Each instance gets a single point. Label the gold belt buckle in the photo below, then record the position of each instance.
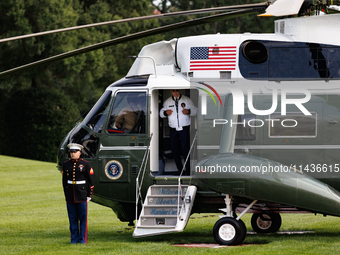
(74, 182)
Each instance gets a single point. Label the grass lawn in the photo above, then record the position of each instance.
(33, 220)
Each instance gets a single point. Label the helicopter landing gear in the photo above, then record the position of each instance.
(229, 230)
(266, 222)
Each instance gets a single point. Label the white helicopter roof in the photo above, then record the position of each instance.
(187, 55)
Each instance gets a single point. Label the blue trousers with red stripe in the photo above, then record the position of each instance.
(77, 215)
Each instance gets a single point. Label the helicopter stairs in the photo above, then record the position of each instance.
(166, 209)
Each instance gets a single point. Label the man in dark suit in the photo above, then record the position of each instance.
(78, 183)
(179, 108)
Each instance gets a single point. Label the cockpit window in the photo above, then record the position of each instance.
(128, 113)
(95, 119)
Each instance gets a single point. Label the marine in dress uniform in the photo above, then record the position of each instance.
(179, 108)
(78, 183)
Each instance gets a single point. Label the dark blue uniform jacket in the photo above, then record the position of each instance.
(78, 180)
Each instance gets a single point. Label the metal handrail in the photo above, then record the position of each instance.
(142, 167)
(186, 160)
(180, 191)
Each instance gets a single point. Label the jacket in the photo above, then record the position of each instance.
(78, 180)
(178, 120)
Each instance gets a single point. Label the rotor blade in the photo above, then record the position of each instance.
(191, 12)
(283, 8)
(135, 36)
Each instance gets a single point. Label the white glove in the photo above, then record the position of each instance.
(88, 199)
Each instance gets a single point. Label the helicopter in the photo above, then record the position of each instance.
(264, 140)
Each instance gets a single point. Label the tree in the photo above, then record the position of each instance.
(76, 82)
(36, 120)
(79, 80)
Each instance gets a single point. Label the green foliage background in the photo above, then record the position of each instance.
(39, 106)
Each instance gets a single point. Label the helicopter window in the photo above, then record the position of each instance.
(292, 125)
(245, 132)
(255, 52)
(128, 113)
(287, 60)
(89, 141)
(95, 119)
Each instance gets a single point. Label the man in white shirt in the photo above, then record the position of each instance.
(179, 108)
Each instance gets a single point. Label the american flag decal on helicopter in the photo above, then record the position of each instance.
(213, 58)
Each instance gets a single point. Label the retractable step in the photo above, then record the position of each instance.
(166, 209)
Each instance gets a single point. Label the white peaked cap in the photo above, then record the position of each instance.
(75, 146)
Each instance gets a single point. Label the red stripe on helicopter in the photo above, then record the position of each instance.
(212, 58)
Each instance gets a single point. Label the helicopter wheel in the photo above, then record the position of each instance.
(266, 222)
(229, 231)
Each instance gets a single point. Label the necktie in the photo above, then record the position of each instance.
(176, 103)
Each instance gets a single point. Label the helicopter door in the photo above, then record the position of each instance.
(123, 144)
(167, 165)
